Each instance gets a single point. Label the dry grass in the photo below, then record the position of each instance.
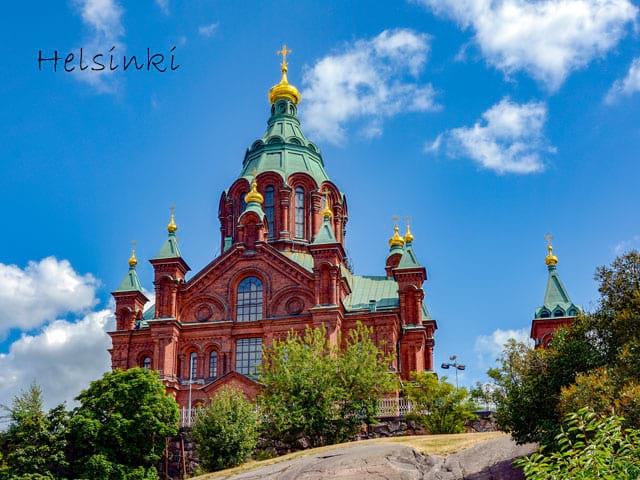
(427, 444)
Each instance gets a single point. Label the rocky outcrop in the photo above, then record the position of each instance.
(490, 460)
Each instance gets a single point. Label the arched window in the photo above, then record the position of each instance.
(544, 314)
(193, 365)
(269, 209)
(213, 364)
(558, 313)
(248, 355)
(146, 362)
(299, 212)
(249, 306)
(243, 204)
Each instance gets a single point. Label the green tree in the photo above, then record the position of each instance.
(315, 390)
(34, 444)
(226, 432)
(444, 408)
(589, 447)
(119, 429)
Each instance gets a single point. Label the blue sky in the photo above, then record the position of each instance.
(490, 123)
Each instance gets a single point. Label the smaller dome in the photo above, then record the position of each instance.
(254, 195)
(551, 260)
(408, 237)
(133, 261)
(396, 240)
(172, 227)
(284, 90)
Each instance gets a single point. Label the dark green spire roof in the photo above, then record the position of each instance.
(409, 259)
(170, 248)
(556, 299)
(130, 282)
(284, 148)
(325, 235)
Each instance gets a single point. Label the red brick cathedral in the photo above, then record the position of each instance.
(283, 267)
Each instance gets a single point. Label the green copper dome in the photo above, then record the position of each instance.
(284, 148)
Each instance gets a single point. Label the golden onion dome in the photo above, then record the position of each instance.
(396, 240)
(551, 260)
(254, 195)
(284, 89)
(133, 261)
(408, 237)
(326, 213)
(172, 227)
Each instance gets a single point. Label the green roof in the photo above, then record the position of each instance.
(409, 259)
(556, 298)
(284, 148)
(325, 235)
(130, 282)
(383, 290)
(170, 248)
(305, 260)
(254, 207)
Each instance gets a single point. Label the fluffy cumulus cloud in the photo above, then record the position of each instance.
(41, 292)
(489, 347)
(546, 38)
(509, 138)
(63, 358)
(208, 30)
(626, 86)
(103, 22)
(369, 80)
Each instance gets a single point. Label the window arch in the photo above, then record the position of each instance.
(269, 204)
(146, 362)
(193, 365)
(545, 314)
(213, 364)
(249, 305)
(299, 209)
(558, 313)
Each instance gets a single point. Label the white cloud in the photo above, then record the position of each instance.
(546, 38)
(63, 359)
(208, 30)
(369, 81)
(508, 139)
(103, 20)
(163, 5)
(626, 245)
(490, 347)
(43, 291)
(627, 85)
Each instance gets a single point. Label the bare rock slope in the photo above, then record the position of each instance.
(490, 460)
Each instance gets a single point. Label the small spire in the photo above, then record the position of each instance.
(396, 240)
(551, 260)
(254, 195)
(326, 213)
(172, 227)
(133, 261)
(408, 236)
(284, 89)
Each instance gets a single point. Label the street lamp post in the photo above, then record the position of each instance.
(191, 381)
(457, 366)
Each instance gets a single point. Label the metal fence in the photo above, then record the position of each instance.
(387, 407)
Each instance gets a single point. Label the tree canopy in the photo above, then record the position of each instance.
(315, 390)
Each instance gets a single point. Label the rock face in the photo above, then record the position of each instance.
(490, 460)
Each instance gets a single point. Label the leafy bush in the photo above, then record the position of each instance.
(588, 448)
(226, 432)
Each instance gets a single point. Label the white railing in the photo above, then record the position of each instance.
(387, 407)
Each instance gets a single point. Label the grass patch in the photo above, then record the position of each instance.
(426, 444)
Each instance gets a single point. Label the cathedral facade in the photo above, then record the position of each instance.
(283, 267)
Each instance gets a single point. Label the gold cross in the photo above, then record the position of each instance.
(548, 237)
(407, 219)
(284, 52)
(172, 208)
(395, 219)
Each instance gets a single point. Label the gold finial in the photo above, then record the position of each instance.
(133, 261)
(172, 227)
(408, 237)
(254, 195)
(551, 260)
(284, 89)
(326, 213)
(396, 240)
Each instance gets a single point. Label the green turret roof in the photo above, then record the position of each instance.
(254, 207)
(170, 248)
(284, 148)
(325, 235)
(130, 282)
(556, 299)
(409, 259)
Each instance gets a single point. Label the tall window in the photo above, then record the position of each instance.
(213, 364)
(193, 365)
(248, 355)
(269, 208)
(299, 212)
(146, 362)
(249, 300)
